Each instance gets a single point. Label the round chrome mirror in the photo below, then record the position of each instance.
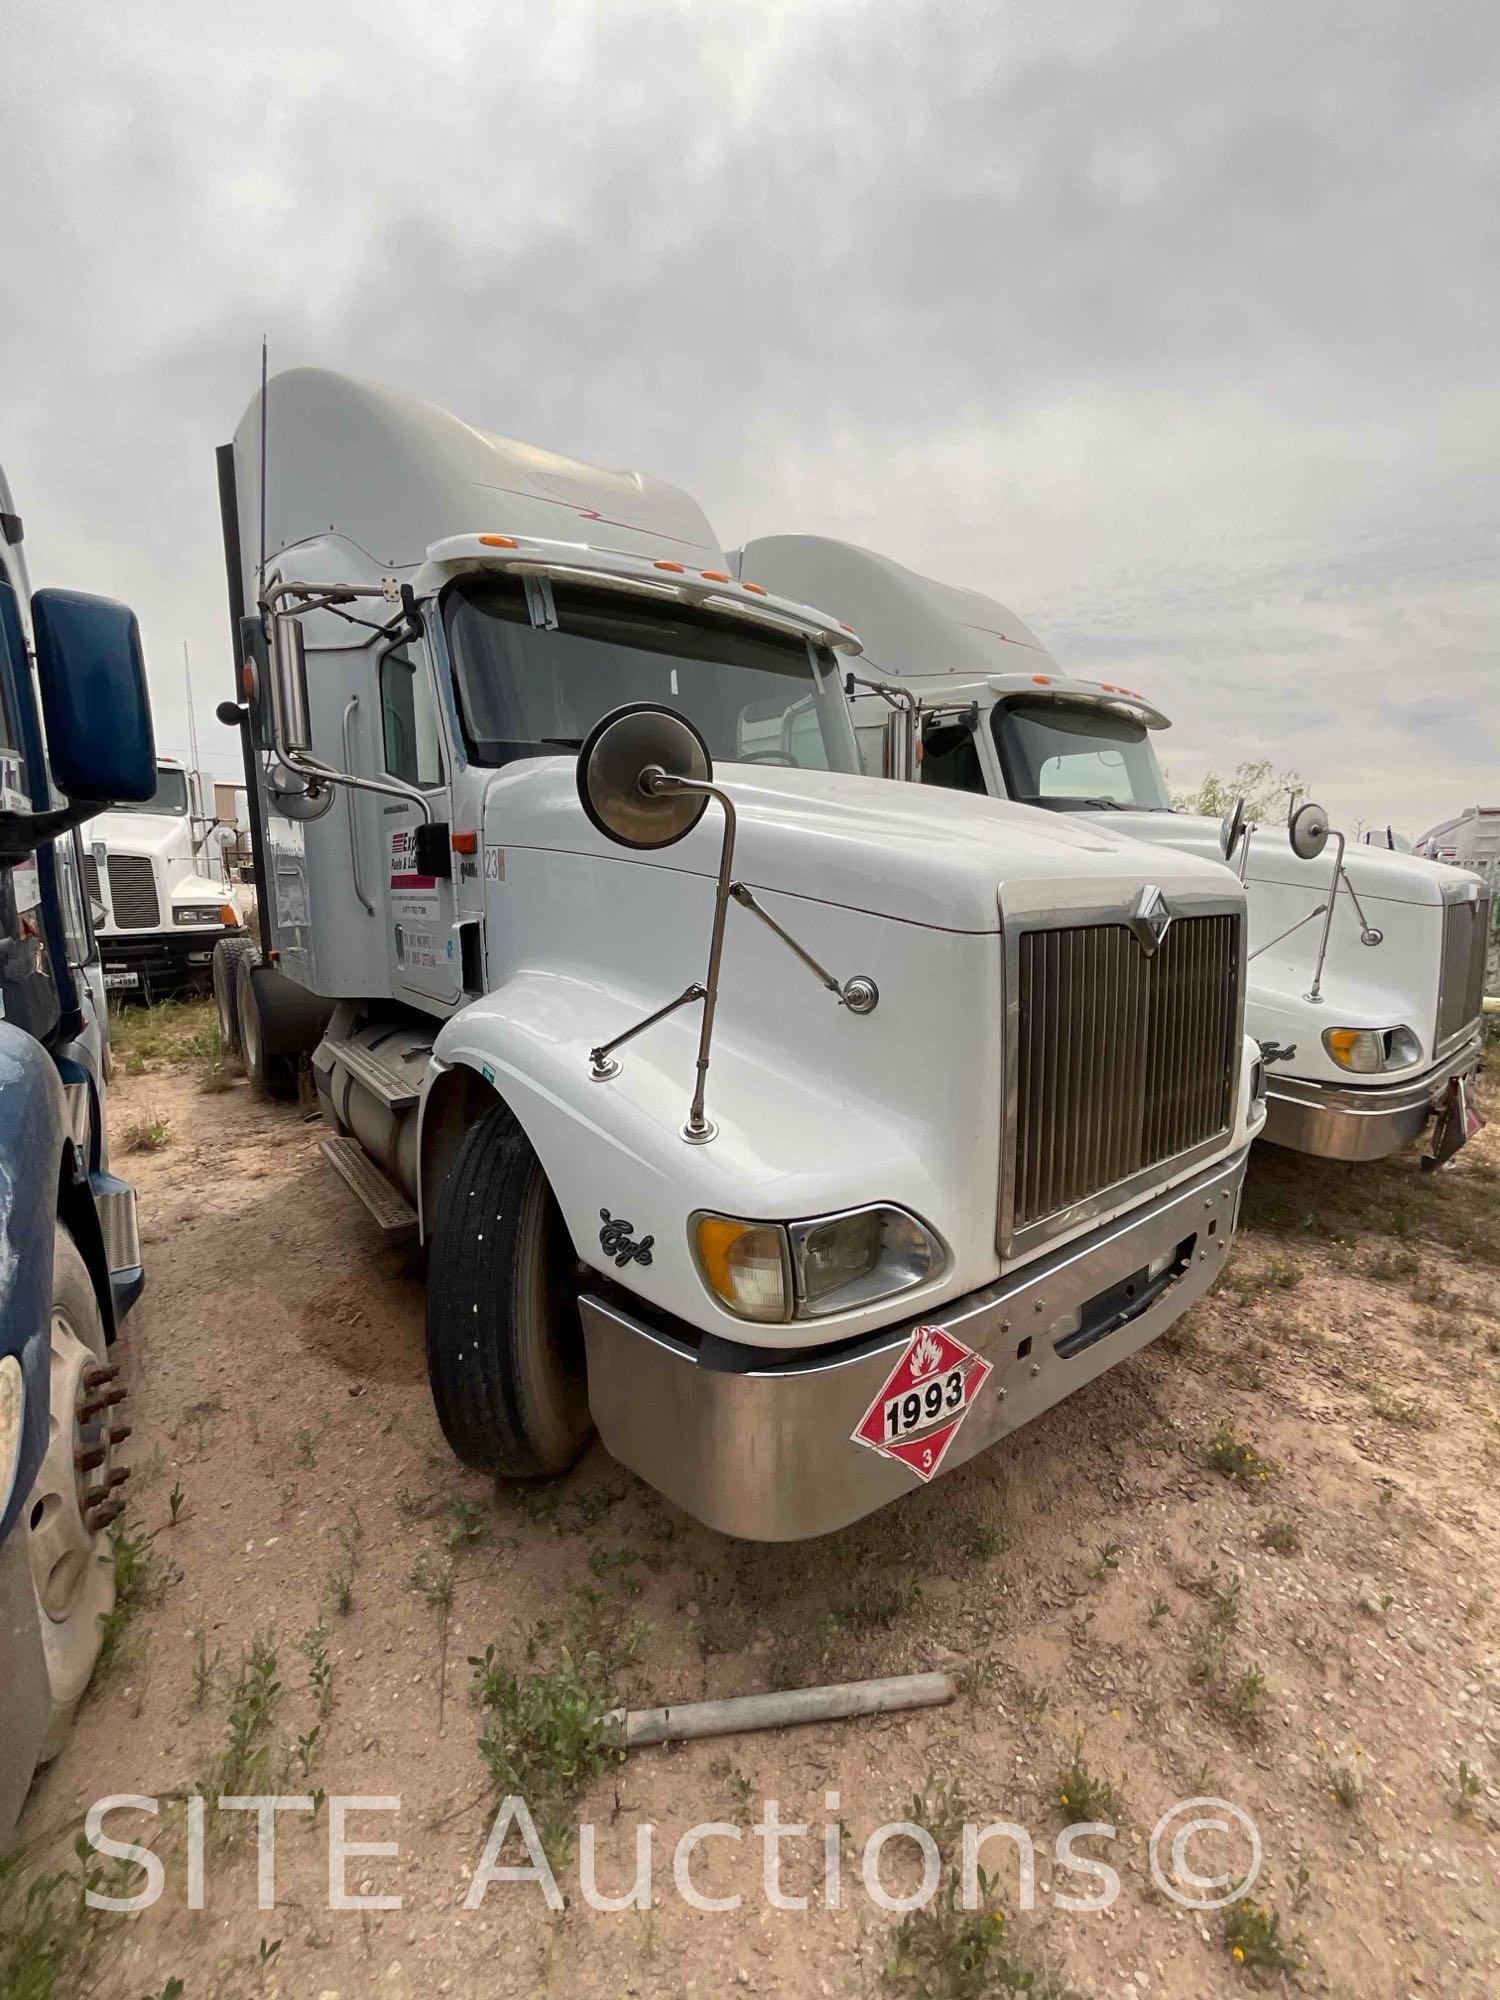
(1231, 826)
(1307, 830)
(618, 755)
(296, 797)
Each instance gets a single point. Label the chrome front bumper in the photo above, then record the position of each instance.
(1354, 1122)
(769, 1455)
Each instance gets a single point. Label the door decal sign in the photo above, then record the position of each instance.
(926, 1396)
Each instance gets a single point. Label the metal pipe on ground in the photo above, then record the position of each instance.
(683, 1722)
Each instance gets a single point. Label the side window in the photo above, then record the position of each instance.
(950, 758)
(408, 725)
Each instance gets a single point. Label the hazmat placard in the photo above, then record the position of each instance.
(926, 1397)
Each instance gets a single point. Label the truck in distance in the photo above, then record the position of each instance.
(800, 1138)
(161, 889)
(1364, 966)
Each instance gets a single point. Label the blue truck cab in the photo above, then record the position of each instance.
(75, 737)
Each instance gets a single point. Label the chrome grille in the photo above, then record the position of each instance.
(1124, 1061)
(1461, 993)
(91, 878)
(132, 892)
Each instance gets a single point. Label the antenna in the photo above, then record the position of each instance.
(187, 674)
(261, 574)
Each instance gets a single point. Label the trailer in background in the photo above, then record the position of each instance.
(1472, 841)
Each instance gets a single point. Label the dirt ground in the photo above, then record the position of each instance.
(1257, 1562)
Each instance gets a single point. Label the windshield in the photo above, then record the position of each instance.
(757, 696)
(1071, 758)
(170, 796)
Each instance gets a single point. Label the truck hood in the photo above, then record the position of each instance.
(156, 834)
(1375, 871)
(922, 856)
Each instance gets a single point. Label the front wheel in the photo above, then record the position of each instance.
(72, 1564)
(271, 1075)
(228, 951)
(504, 1341)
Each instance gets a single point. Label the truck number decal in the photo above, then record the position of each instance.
(923, 1400)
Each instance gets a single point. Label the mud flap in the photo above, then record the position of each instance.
(1456, 1122)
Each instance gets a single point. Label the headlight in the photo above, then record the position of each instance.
(1370, 1051)
(764, 1271)
(198, 913)
(846, 1260)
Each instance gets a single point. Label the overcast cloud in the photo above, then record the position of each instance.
(1171, 325)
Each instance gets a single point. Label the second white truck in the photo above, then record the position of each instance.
(161, 892)
(803, 1135)
(1364, 968)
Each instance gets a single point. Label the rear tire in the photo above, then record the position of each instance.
(273, 1076)
(227, 954)
(72, 1568)
(505, 1354)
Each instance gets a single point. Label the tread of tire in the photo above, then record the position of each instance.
(482, 1413)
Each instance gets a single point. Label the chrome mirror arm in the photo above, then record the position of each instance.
(860, 995)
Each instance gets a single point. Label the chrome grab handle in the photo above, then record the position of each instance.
(353, 703)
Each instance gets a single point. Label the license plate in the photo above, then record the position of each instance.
(117, 979)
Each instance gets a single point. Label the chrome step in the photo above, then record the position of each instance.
(395, 1090)
(353, 1165)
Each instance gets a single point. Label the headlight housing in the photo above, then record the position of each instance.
(1372, 1051)
(200, 913)
(772, 1272)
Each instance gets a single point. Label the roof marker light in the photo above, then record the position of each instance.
(675, 568)
(713, 576)
(499, 541)
(758, 588)
(1042, 680)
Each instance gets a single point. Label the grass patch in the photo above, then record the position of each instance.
(146, 1134)
(38, 1919)
(1282, 1536)
(141, 1579)
(945, 1952)
(1393, 1408)
(543, 1736)
(1395, 1261)
(1084, 1795)
(169, 1032)
(1229, 1454)
(1253, 1937)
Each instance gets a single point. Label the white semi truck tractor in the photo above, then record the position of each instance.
(802, 1135)
(161, 891)
(1365, 967)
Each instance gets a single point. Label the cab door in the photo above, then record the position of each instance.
(416, 858)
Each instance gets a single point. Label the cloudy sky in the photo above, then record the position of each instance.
(1174, 325)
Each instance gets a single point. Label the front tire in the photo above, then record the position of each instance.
(72, 1566)
(505, 1351)
(273, 1076)
(227, 955)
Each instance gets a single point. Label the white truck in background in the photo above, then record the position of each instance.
(803, 1136)
(1365, 967)
(161, 886)
(1472, 841)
